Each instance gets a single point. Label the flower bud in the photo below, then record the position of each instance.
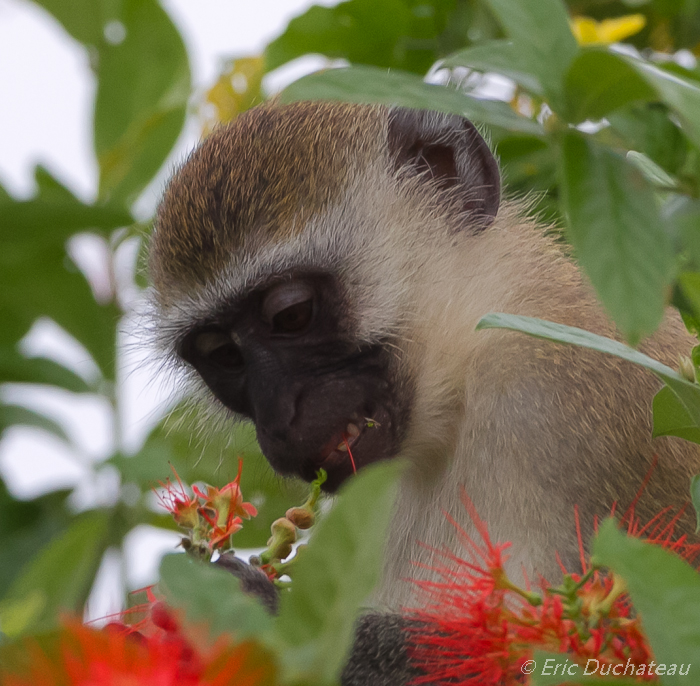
(686, 368)
(301, 517)
(283, 528)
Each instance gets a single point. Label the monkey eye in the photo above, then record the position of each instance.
(289, 307)
(218, 347)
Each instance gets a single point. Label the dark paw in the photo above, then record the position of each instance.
(253, 581)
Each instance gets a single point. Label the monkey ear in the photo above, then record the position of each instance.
(449, 149)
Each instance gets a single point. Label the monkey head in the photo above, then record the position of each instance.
(285, 258)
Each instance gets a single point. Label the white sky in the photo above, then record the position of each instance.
(45, 117)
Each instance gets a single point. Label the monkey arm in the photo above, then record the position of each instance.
(379, 655)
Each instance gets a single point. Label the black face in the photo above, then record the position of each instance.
(283, 357)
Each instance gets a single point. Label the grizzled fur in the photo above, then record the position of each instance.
(401, 212)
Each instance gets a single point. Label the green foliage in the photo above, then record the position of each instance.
(685, 393)
(541, 39)
(58, 579)
(625, 187)
(211, 596)
(335, 576)
(695, 495)
(612, 215)
(361, 84)
(664, 589)
(617, 233)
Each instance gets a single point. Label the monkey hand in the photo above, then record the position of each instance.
(253, 580)
(378, 657)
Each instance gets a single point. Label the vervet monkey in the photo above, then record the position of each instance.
(318, 264)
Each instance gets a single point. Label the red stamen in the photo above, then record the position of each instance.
(352, 460)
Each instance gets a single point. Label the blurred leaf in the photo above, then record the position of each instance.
(51, 217)
(37, 277)
(599, 82)
(680, 94)
(615, 228)
(688, 393)
(143, 87)
(652, 172)
(542, 40)
(649, 129)
(361, 31)
(690, 285)
(402, 34)
(27, 526)
(498, 56)
(15, 368)
(372, 85)
(336, 575)
(237, 89)
(529, 169)
(687, 223)
(83, 19)
(211, 596)
(671, 418)
(11, 415)
(695, 496)
(664, 590)
(58, 579)
(214, 460)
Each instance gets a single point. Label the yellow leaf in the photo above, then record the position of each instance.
(237, 89)
(591, 32)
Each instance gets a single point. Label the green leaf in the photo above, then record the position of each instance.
(542, 40)
(665, 591)
(545, 664)
(650, 129)
(500, 57)
(372, 85)
(15, 368)
(37, 277)
(210, 595)
(690, 285)
(27, 525)
(336, 575)
(143, 87)
(58, 579)
(11, 415)
(361, 31)
(671, 418)
(599, 82)
(687, 393)
(680, 94)
(83, 19)
(652, 172)
(687, 220)
(615, 228)
(695, 497)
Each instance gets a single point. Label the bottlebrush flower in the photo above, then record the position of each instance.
(81, 656)
(477, 628)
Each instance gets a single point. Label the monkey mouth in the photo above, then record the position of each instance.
(338, 450)
(364, 440)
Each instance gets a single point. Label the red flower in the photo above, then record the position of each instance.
(210, 518)
(114, 657)
(478, 628)
(182, 507)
